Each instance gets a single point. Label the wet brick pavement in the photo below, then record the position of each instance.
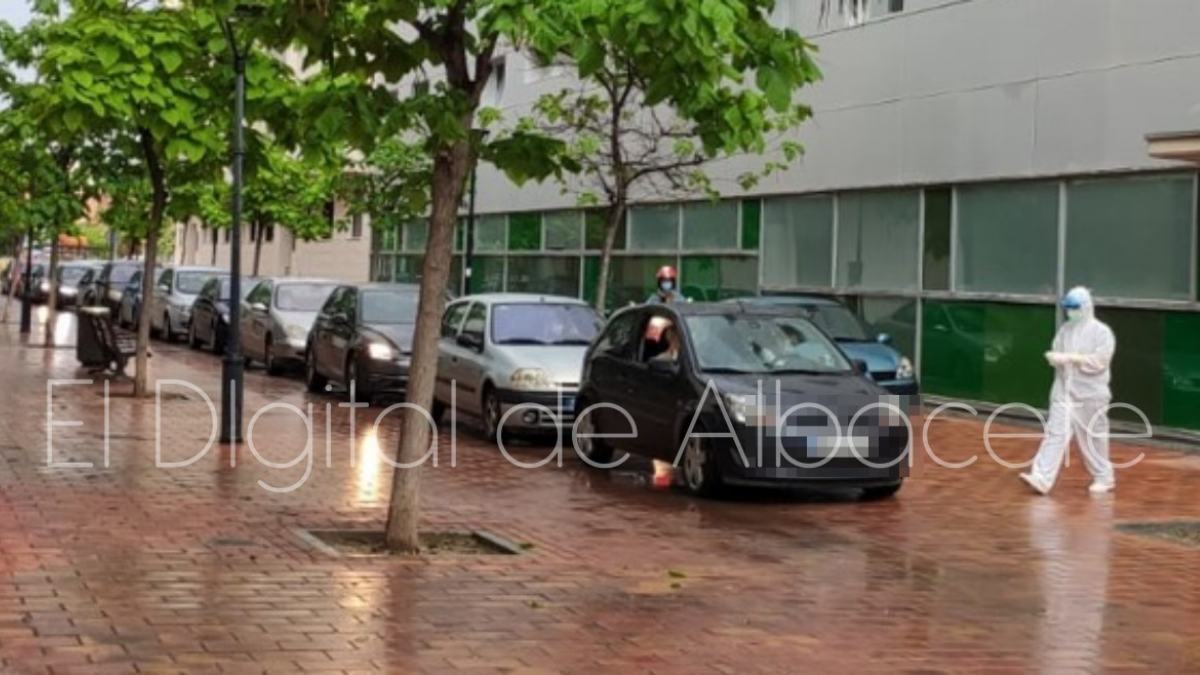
(132, 568)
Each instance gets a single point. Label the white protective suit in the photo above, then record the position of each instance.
(1081, 355)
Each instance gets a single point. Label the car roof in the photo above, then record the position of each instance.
(198, 268)
(686, 309)
(528, 298)
(385, 286)
(282, 281)
(800, 299)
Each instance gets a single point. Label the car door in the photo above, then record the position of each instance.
(609, 377)
(466, 362)
(161, 297)
(256, 319)
(320, 335)
(204, 308)
(659, 393)
(341, 334)
(448, 348)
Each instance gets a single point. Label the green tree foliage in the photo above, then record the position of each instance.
(664, 88)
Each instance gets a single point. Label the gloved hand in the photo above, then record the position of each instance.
(1075, 358)
(1057, 359)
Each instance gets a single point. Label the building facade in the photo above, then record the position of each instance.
(343, 256)
(968, 160)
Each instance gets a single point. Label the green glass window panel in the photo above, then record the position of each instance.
(987, 351)
(751, 223)
(1131, 237)
(1007, 238)
(460, 234)
(937, 240)
(654, 228)
(712, 278)
(454, 282)
(1180, 370)
(709, 226)
(487, 274)
(1137, 365)
(797, 241)
(416, 233)
(490, 232)
(552, 275)
(408, 269)
(594, 222)
(525, 232)
(632, 278)
(877, 240)
(591, 278)
(897, 317)
(563, 231)
(381, 268)
(388, 238)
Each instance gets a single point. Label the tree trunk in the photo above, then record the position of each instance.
(14, 273)
(158, 206)
(612, 225)
(258, 240)
(52, 299)
(450, 169)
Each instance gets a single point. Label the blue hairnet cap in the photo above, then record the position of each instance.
(1073, 300)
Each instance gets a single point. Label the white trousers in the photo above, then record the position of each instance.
(1087, 421)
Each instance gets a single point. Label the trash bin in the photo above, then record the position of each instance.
(88, 349)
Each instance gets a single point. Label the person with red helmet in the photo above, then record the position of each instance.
(666, 292)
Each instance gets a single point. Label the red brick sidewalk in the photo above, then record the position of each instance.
(132, 568)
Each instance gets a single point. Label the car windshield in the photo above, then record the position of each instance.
(742, 343)
(302, 297)
(248, 285)
(191, 282)
(121, 274)
(70, 275)
(544, 324)
(389, 307)
(839, 323)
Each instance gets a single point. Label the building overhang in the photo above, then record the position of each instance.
(1182, 146)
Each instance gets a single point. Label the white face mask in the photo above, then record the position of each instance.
(666, 285)
(1074, 314)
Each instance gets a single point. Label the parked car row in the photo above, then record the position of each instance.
(678, 374)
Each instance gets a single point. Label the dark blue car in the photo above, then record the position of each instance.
(888, 367)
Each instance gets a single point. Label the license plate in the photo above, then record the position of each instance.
(822, 447)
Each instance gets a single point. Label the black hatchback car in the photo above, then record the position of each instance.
(740, 395)
(363, 334)
(209, 323)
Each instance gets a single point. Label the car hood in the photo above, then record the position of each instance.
(877, 356)
(292, 318)
(564, 363)
(842, 393)
(400, 334)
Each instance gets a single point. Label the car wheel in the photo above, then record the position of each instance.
(269, 362)
(349, 375)
(314, 380)
(701, 474)
(491, 414)
(192, 339)
(595, 450)
(168, 335)
(438, 411)
(217, 339)
(881, 492)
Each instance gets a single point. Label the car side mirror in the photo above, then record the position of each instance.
(258, 307)
(884, 339)
(663, 366)
(165, 288)
(861, 367)
(470, 341)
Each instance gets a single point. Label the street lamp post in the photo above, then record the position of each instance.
(469, 245)
(233, 364)
(26, 295)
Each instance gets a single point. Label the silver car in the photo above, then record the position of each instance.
(174, 292)
(277, 316)
(503, 350)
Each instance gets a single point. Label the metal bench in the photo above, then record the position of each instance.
(101, 345)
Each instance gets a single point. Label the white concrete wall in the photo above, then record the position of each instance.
(962, 90)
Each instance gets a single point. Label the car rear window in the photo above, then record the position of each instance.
(302, 297)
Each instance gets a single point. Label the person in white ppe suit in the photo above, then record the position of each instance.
(1081, 355)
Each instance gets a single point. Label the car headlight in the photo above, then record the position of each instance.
(45, 286)
(299, 333)
(380, 351)
(67, 291)
(742, 407)
(530, 379)
(905, 369)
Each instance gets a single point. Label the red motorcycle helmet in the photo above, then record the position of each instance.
(666, 272)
